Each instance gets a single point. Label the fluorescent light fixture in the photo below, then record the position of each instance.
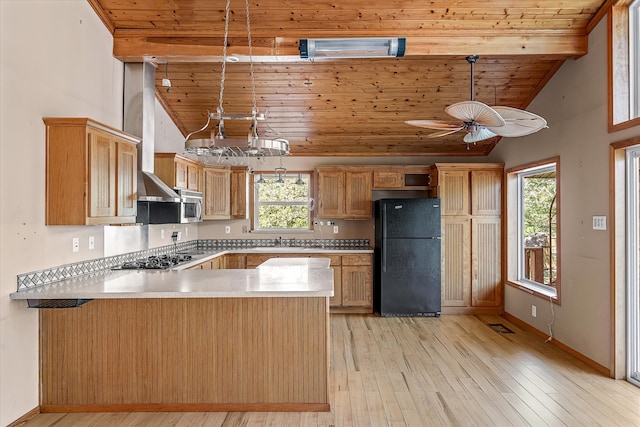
(353, 48)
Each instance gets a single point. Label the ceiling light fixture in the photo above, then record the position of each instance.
(390, 47)
(220, 146)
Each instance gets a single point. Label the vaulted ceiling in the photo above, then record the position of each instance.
(350, 106)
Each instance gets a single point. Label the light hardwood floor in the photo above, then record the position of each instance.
(452, 370)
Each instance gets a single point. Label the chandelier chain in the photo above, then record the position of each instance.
(224, 56)
(254, 110)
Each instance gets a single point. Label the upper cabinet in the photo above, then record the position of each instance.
(178, 171)
(91, 173)
(343, 192)
(401, 177)
(239, 192)
(216, 197)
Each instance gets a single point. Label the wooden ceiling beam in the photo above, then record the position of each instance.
(130, 48)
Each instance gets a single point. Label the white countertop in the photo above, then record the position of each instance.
(298, 279)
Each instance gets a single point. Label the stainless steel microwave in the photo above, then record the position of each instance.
(187, 210)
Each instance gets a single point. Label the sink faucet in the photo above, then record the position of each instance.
(277, 241)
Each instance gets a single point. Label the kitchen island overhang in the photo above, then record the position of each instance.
(220, 340)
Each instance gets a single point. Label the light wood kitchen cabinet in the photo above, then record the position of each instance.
(91, 173)
(235, 261)
(239, 192)
(352, 279)
(471, 196)
(357, 281)
(344, 192)
(216, 197)
(211, 264)
(178, 171)
(401, 177)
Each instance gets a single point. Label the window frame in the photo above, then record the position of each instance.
(515, 239)
(255, 205)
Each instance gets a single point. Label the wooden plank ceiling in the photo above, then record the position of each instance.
(350, 106)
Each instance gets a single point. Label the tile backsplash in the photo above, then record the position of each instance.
(68, 271)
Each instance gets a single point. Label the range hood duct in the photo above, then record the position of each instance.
(139, 120)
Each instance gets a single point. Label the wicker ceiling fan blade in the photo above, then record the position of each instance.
(434, 124)
(474, 111)
(444, 132)
(518, 122)
(480, 134)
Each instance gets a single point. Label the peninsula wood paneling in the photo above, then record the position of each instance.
(207, 352)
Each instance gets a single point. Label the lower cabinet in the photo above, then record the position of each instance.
(211, 264)
(352, 279)
(235, 261)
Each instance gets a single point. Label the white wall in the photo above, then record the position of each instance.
(575, 104)
(55, 60)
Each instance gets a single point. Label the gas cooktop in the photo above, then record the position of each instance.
(155, 262)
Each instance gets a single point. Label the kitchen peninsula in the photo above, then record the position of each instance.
(190, 340)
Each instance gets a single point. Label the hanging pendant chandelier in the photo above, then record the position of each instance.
(220, 146)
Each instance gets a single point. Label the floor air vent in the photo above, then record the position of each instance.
(500, 328)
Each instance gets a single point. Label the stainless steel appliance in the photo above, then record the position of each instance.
(407, 257)
(188, 210)
(155, 262)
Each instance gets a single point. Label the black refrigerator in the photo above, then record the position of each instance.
(407, 257)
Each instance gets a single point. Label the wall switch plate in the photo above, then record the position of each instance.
(186, 231)
(75, 244)
(335, 229)
(92, 242)
(227, 229)
(162, 234)
(533, 311)
(599, 222)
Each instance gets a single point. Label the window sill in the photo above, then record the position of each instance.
(540, 291)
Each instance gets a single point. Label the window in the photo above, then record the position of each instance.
(533, 227)
(633, 265)
(624, 57)
(281, 201)
(634, 58)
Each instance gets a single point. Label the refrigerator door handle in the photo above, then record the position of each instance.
(384, 236)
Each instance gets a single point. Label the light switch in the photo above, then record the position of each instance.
(75, 244)
(599, 222)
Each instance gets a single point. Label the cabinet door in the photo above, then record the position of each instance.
(358, 195)
(239, 186)
(193, 177)
(486, 283)
(456, 263)
(127, 180)
(486, 188)
(391, 179)
(330, 197)
(235, 261)
(102, 174)
(336, 299)
(357, 286)
(454, 192)
(216, 194)
(181, 177)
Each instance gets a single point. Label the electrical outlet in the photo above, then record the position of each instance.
(186, 231)
(227, 229)
(599, 222)
(245, 229)
(176, 235)
(92, 242)
(335, 229)
(75, 244)
(533, 311)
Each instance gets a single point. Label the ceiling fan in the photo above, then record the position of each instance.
(480, 121)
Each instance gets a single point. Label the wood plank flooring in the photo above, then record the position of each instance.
(447, 371)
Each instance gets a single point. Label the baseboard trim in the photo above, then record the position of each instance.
(473, 310)
(26, 417)
(524, 325)
(191, 407)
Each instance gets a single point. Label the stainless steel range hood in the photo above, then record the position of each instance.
(139, 120)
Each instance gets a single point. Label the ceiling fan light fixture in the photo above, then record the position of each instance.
(389, 47)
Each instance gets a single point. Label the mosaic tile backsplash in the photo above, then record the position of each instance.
(68, 271)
